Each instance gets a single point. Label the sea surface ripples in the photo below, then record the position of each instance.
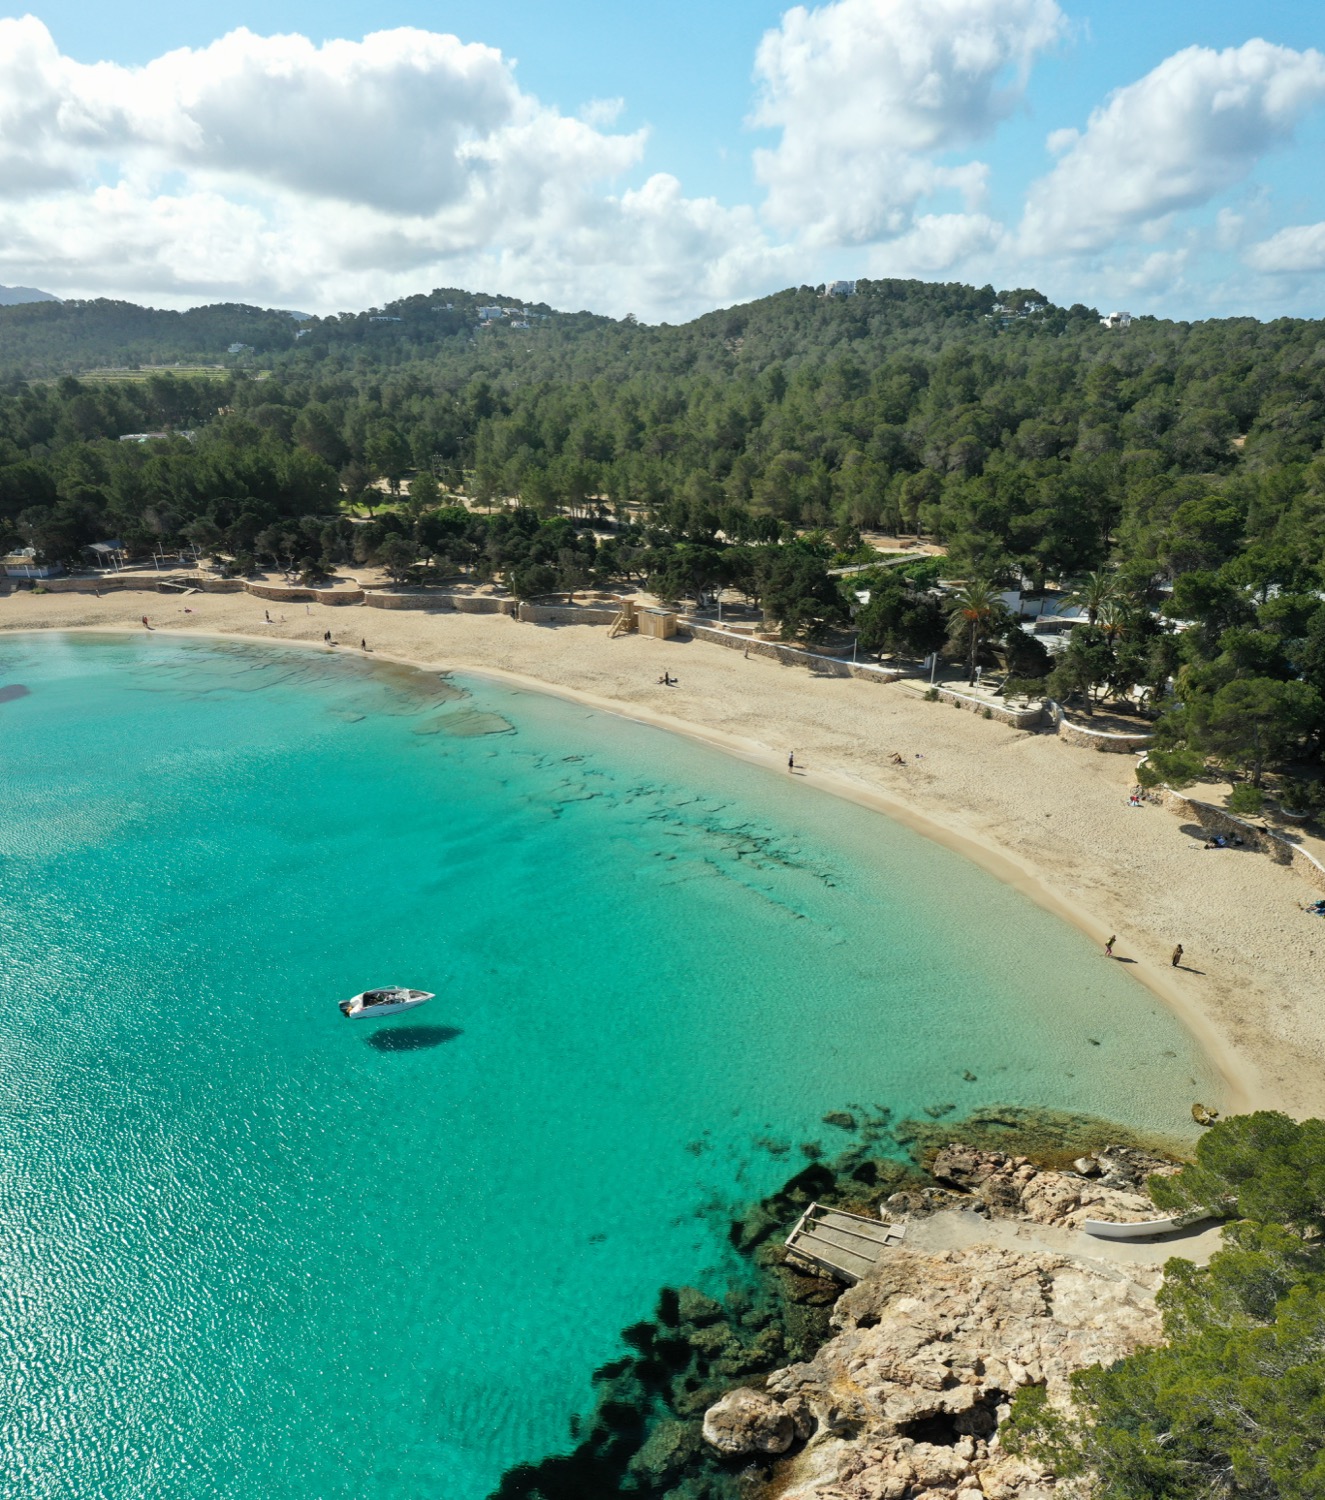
(252, 1249)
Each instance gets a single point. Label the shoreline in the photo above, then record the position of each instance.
(1255, 1071)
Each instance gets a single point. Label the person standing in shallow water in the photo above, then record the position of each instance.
(1177, 956)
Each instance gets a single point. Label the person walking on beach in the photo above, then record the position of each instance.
(1177, 956)
(326, 636)
(1108, 947)
(363, 645)
(791, 761)
(146, 626)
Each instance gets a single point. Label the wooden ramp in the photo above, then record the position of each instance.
(845, 1245)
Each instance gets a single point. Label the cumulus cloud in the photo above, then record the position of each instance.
(866, 93)
(1193, 127)
(1298, 249)
(936, 244)
(270, 168)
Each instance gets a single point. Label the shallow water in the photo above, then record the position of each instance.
(253, 1249)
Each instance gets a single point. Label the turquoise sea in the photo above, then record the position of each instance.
(248, 1248)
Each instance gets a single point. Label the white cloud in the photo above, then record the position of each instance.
(1299, 249)
(1193, 127)
(272, 169)
(867, 92)
(935, 244)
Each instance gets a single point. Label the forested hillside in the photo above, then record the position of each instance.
(1174, 472)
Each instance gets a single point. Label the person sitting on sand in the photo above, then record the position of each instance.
(898, 760)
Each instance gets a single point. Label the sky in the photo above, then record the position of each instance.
(1159, 157)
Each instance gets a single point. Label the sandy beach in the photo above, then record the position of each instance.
(1052, 820)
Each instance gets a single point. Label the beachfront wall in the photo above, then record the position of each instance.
(172, 582)
(1097, 739)
(281, 595)
(465, 604)
(566, 614)
(1030, 717)
(1216, 820)
(791, 656)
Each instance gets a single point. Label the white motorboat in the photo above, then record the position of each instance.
(388, 1002)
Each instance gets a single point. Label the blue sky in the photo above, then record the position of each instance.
(664, 160)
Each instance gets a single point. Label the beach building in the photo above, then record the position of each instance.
(1117, 320)
(24, 564)
(659, 623)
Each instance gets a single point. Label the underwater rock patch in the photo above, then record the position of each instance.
(645, 1436)
(467, 724)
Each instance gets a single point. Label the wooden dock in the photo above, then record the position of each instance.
(845, 1245)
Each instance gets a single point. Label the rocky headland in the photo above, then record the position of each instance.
(794, 1387)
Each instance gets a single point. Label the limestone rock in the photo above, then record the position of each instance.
(927, 1352)
(1108, 1185)
(746, 1421)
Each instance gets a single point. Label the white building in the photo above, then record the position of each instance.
(840, 289)
(1117, 320)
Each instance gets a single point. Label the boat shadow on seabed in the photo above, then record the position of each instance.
(412, 1038)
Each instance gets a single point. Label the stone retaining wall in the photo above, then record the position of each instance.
(1031, 717)
(467, 604)
(115, 583)
(286, 594)
(791, 656)
(1098, 739)
(565, 614)
(1218, 820)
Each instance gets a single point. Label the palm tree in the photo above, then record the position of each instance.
(977, 613)
(1113, 617)
(1095, 592)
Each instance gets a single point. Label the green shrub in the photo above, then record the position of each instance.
(932, 695)
(1233, 1404)
(1175, 768)
(1246, 799)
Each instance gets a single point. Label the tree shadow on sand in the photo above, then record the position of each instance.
(412, 1038)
